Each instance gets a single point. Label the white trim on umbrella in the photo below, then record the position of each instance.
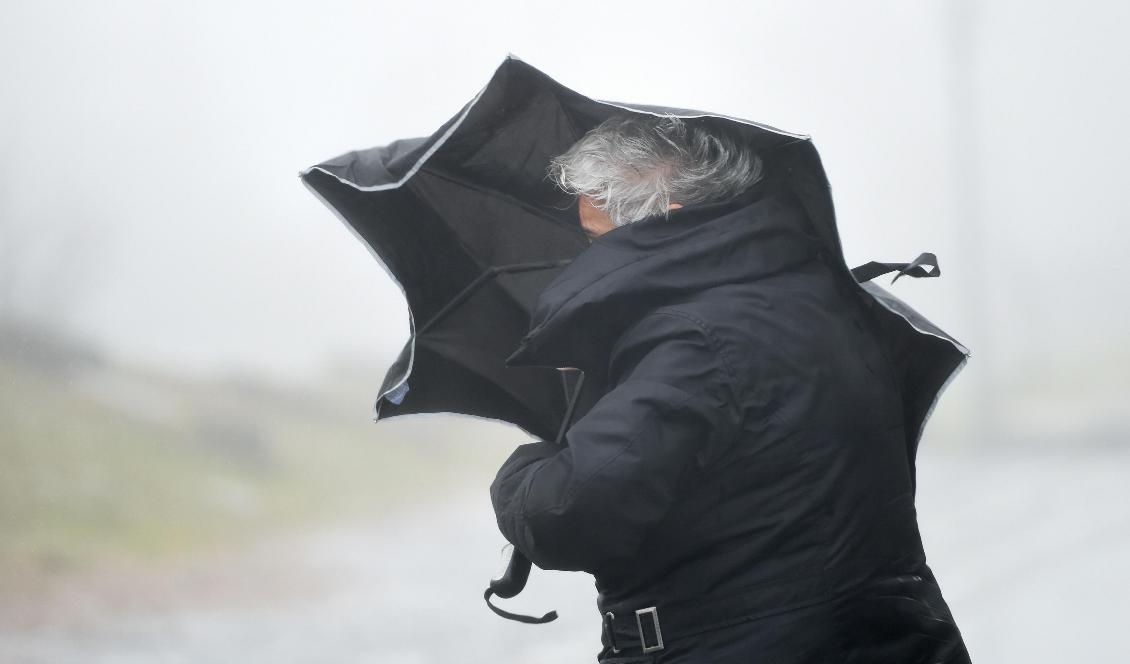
(458, 122)
(938, 395)
(380, 261)
(885, 297)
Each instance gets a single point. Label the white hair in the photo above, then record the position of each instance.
(635, 166)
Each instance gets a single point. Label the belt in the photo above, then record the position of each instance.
(651, 628)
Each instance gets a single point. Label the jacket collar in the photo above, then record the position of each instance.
(658, 260)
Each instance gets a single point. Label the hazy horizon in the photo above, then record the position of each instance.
(150, 198)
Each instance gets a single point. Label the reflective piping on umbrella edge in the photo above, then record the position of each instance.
(376, 256)
(419, 162)
(765, 127)
(455, 126)
(496, 420)
(965, 353)
(938, 396)
(628, 107)
(954, 342)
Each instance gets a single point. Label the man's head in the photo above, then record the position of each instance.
(636, 166)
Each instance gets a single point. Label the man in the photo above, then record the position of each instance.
(742, 490)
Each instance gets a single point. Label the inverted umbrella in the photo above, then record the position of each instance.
(467, 224)
(470, 260)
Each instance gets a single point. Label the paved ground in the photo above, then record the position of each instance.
(1031, 552)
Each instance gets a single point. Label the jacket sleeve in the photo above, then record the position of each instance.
(590, 503)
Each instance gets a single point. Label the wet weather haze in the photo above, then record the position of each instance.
(191, 342)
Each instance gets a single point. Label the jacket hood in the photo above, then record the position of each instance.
(632, 269)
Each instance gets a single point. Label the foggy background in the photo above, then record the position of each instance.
(190, 342)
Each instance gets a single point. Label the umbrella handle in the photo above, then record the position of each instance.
(567, 420)
(513, 580)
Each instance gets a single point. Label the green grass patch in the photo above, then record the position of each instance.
(115, 462)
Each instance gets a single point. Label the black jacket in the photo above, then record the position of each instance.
(749, 454)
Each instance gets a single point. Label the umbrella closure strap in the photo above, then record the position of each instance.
(869, 271)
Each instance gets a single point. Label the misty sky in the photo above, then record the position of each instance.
(150, 197)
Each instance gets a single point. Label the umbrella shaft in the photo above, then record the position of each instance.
(569, 410)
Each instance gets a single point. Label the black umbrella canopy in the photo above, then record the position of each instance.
(439, 212)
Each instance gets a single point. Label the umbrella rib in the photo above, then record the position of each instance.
(494, 270)
(478, 282)
(533, 210)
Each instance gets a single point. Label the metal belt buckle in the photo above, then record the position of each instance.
(654, 621)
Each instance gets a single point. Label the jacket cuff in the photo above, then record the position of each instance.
(509, 488)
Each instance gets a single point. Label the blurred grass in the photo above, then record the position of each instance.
(112, 462)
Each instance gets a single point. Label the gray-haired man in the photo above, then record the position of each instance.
(742, 491)
(628, 168)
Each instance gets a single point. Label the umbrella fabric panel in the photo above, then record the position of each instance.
(408, 238)
(458, 367)
(432, 266)
(382, 167)
(507, 140)
(385, 166)
(496, 229)
(445, 386)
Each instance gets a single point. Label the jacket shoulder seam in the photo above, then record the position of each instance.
(723, 354)
(577, 486)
